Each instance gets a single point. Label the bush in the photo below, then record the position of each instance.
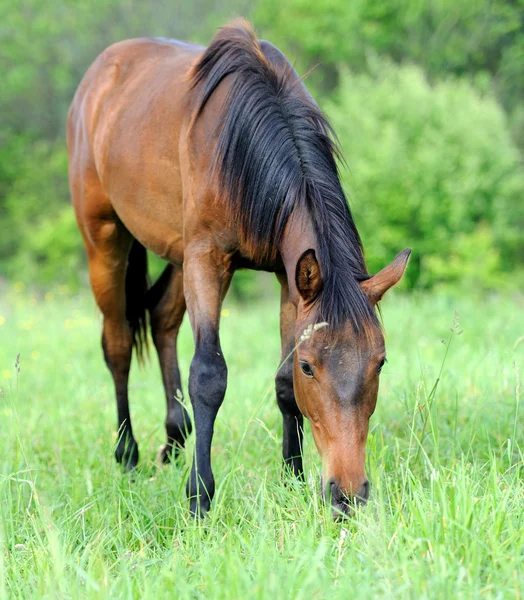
(433, 167)
(40, 242)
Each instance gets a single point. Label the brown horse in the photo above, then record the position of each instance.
(217, 159)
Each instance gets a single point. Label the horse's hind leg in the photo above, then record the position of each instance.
(167, 306)
(108, 248)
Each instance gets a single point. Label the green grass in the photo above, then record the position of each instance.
(446, 515)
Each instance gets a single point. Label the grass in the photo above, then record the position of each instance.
(445, 461)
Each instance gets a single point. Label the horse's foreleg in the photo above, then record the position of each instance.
(293, 420)
(167, 306)
(205, 284)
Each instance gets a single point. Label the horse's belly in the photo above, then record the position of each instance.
(149, 203)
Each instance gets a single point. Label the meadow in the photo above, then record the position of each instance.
(445, 459)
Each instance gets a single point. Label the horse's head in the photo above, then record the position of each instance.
(336, 378)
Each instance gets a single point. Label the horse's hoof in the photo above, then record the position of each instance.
(164, 455)
(197, 510)
(130, 462)
(127, 457)
(169, 453)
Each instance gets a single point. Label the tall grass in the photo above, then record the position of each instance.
(444, 457)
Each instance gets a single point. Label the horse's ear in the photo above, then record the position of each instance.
(375, 287)
(307, 277)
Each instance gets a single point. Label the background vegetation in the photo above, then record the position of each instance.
(426, 97)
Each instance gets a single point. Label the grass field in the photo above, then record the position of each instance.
(446, 515)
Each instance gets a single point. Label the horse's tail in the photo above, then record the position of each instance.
(136, 289)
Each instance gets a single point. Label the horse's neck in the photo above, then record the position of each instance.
(298, 237)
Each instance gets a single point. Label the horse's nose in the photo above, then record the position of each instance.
(340, 502)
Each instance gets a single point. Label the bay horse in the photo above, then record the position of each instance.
(217, 159)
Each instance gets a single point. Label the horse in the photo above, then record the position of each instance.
(217, 159)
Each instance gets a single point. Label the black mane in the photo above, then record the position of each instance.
(275, 151)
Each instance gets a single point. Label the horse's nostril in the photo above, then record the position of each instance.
(341, 501)
(363, 493)
(336, 492)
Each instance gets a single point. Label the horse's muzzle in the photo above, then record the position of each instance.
(341, 504)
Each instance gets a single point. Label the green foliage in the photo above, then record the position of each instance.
(432, 160)
(445, 515)
(443, 36)
(433, 167)
(40, 240)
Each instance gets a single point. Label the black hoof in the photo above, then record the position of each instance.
(292, 469)
(199, 509)
(168, 453)
(199, 499)
(126, 454)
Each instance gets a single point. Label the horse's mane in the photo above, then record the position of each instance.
(275, 151)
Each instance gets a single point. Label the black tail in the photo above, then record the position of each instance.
(136, 289)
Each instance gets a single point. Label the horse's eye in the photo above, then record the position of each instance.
(382, 363)
(307, 369)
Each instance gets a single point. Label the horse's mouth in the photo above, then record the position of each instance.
(343, 506)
